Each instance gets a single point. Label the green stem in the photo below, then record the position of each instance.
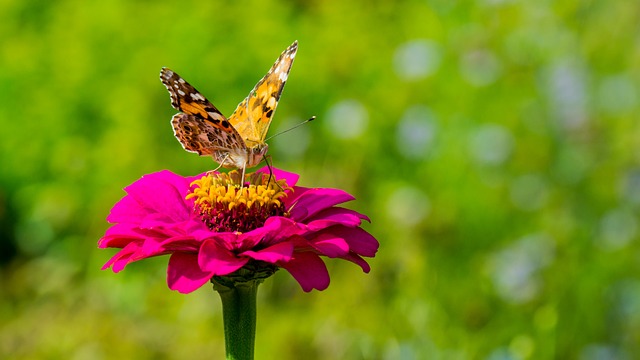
(239, 316)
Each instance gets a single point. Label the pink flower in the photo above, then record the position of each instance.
(211, 228)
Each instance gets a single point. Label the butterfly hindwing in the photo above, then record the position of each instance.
(200, 136)
(253, 115)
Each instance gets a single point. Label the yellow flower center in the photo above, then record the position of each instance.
(224, 206)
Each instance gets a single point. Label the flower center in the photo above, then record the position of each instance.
(225, 207)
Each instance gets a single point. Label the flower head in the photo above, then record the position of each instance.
(212, 228)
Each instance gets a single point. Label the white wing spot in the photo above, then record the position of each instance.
(181, 81)
(283, 76)
(271, 103)
(182, 93)
(197, 96)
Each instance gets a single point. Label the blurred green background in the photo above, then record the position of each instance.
(494, 143)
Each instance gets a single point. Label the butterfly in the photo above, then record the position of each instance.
(237, 142)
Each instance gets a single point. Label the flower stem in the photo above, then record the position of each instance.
(239, 316)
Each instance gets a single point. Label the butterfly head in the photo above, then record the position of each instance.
(256, 154)
(240, 158)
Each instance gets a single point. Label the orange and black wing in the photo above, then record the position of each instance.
(200, 127)
(253, 115)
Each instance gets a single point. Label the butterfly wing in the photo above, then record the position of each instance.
(201, 127)
(253, 115)
(201, 137)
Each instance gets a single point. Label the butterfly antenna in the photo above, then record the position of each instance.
(286, 131)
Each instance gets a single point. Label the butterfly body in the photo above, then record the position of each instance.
(239, 141)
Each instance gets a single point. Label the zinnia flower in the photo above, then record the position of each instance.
(212, 228)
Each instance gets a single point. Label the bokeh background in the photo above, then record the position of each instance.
(494, 143)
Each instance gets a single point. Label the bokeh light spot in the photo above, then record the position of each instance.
(347, 119)
(566, 86)
(480, 67)
(417, 59)
(529, 192)
(408, 206)
(617, 228)
(515, 269)
(416, 132)
(491, 144)
(617, 93)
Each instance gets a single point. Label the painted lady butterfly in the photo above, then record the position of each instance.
(239, 141)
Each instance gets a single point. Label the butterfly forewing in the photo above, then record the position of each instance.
(253, 115)
(201, 127)
(186, 98)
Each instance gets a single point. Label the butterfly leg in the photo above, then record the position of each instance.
(244, 170)
(269, 161)
(210, 172)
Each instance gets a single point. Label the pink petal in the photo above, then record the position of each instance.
(309, 270)
(316, 200)
(127, 210)
(360, 241)
(183, 273)
(273, 254)
(182, 184)
(335, 216)
(124, 257)
(338, 213)
(274, 230)
(230, 241)
(194, 224)
(300, 244)
(250, 239)
(160, 222)
(292, 196)
(155, 246)
(329, 245)
(119, 235)
(162, 192)
(217, 259)
(182, 243)
(354, 258)
(290, 177)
